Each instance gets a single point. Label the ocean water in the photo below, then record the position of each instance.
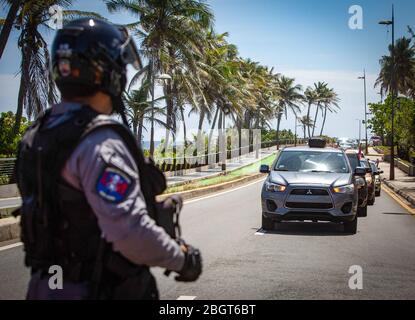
(146, 144)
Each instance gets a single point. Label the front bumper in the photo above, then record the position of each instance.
(284, 206)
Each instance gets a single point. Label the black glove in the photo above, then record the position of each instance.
(192, 267)
(177, 200)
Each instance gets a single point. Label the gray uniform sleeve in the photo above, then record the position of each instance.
(122, 218)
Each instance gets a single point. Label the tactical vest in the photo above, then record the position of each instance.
(58, 225)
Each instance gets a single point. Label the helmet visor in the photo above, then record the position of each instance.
(129, 51)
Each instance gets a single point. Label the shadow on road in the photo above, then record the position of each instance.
(307, 229)
(397, 213)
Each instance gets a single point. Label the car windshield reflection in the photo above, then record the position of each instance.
(312, 161)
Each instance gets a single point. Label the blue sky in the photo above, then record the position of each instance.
(306, 39)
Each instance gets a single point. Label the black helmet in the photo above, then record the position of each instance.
(92, 55)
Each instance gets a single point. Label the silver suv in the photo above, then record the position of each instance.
(311, 183)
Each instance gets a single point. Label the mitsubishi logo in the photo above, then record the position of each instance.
(309, 192)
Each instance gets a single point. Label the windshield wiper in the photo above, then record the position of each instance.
(321, 171)
(281, 170)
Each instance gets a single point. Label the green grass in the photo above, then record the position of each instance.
(234, 175)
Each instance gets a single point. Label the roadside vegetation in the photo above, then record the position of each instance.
(402, 85)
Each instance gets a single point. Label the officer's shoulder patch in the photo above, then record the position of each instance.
(113, 184)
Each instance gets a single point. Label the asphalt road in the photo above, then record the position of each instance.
(297, 261)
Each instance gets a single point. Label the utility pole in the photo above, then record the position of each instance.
(364, 84)
(393, 92)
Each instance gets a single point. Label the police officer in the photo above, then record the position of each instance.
(88, 193)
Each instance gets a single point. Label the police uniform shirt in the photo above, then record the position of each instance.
(103, 168)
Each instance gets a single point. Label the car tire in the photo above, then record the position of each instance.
(267, 223)
(377, 194)
(362, 211)
(371, 202)
(350, 227)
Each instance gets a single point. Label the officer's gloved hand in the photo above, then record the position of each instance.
(192, 267)
(177, 200)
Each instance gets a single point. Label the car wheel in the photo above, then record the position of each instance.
(371, 202)
(362, 211)
(377, 194)
(350, 227)
(267, 223)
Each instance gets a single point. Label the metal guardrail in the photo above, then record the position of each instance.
(168, 164)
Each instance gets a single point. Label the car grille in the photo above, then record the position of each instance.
(308, 205)
(309, 198)
(306, 192)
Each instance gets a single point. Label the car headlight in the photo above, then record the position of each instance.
(369, 179)
(344, 189)
(273, 187)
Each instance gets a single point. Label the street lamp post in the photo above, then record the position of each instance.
(153, 85)
(393, 87)
(295, 134)
(360, 131)
(364, 84)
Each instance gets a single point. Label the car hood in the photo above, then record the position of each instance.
(307, 178)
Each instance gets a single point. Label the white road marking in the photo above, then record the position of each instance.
(11, 246)
(186, 298)
(224, 192)
(260, 232)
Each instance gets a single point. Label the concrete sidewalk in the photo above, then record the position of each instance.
(402, 185)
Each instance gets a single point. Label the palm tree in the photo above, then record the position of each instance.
(330, 104)
(8, 23)
(321, 91)
(37, 89)
(173, 35)
(139, 111)
(404, 68)
(306, 123)
(289, 95)
(311, 98)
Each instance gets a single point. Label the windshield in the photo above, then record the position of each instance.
(364, 163)
(312, 161)
(373, 166)
(354, 160)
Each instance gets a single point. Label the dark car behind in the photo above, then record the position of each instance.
(354, 160)
(370, 179)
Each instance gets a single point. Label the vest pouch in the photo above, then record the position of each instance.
(166, 211)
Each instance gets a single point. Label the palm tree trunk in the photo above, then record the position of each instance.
(278, 130)
(324, 121)
(184, 126)
(213, 126)
(140, 130)
(201, 119)
(304, 132)
(8, 25)
(308, 117)
(315, 118)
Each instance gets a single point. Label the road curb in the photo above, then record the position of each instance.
(399, 192)
(190, 194)
(10, 227)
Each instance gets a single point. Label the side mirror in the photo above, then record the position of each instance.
(360, 171)
(264, 168)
